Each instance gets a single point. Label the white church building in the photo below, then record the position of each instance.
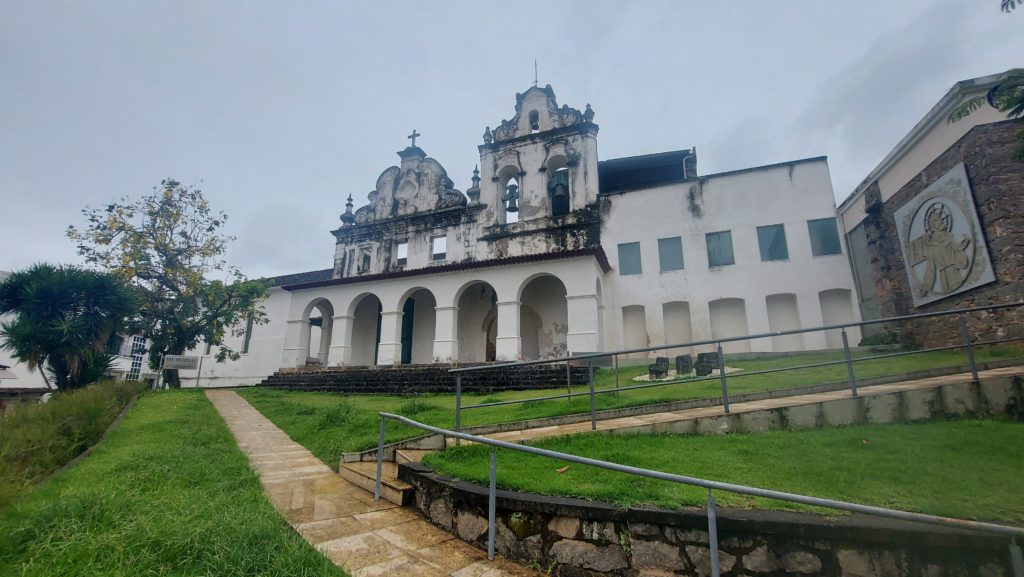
(552, 252)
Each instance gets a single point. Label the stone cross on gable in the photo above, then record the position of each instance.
(413, 137)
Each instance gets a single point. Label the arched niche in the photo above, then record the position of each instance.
(508, 174)
(559, 190)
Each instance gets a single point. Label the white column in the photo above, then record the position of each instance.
(341, 341)
(583, 336)
(389, 352)
(508, 345)
(446, 334)
(296, 342)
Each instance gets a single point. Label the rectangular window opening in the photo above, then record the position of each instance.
(670, 253)
(629, 259)
(772, 241)
(720, 248)
(824, 236)
(402, 253)
(439, 248)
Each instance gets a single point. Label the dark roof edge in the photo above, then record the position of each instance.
(653, 155)
(290, 279)
(596, 252)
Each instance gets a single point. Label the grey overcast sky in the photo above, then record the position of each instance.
(281, 109)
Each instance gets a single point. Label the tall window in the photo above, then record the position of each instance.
(772, 241)
(137, 351)
(670, 253)
(402, 253)
(629, 258)
(824, 236)
(438, 248)
(720, 248)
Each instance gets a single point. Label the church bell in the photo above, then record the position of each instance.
(512, 206)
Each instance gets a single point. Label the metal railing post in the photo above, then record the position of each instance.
(968, 348)
(491, 504)
(380, 459)
(568, 379)
(593, 399)
(616, 359)
(721, 376)
(458, 407)
(713, 534)
(849, 364)
(1016, 559)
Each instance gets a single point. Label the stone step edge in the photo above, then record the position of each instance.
(391, 489)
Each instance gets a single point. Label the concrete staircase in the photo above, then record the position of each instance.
(364, 476)
(415, 379)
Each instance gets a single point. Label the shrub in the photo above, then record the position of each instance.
(36, 440)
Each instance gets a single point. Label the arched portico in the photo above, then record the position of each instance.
(543, 317)
(419, 320)
(476, 327)
(364, 331)
(315, 338)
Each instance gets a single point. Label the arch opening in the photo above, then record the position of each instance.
(419, 323)
(319, 321)
(365, 338)
(477, 322)
(543, 319)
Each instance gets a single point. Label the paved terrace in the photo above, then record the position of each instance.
(366, 538)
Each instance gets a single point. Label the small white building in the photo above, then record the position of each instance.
(552, 252)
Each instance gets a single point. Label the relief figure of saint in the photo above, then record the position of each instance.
(946, 258)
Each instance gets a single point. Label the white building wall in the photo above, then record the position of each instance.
(790, 194)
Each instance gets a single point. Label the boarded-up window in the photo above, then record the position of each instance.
(629, 258)
(720, 248)
(824, 237)
(772, 241)
(670, 253)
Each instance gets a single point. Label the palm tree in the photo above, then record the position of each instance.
(63, 318)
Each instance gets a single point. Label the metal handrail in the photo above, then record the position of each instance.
(967, 344)
(992, 528)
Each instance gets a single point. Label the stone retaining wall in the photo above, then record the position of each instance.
(578, 538)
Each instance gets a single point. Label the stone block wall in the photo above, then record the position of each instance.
(578, 538)
(997, 181)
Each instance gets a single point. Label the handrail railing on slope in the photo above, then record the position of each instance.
(1016, 558)
(967, 344)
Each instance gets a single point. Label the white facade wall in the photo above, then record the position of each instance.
(788, 194)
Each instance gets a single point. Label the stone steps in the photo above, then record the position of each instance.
(403, 456)
(364, 475)
(418, 379)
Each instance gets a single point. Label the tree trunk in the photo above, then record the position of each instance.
(171, 379)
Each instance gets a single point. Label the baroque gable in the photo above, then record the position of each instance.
(419, 185)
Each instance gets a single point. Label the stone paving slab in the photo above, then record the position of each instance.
(644, 422)
(367, 538)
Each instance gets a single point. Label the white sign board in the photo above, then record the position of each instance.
(181, 362)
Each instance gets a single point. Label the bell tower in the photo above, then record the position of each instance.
(540, 166)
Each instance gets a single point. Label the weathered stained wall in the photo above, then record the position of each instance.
(997, 179)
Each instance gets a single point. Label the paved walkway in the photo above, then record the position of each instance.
(641, 422)
(366, 538)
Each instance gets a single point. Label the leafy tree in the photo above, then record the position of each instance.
(63, 318)
(168, 245)
(1007, 96)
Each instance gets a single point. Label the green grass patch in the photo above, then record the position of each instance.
(167, 493)
(963, 468)
(37, 439)
(304, 415)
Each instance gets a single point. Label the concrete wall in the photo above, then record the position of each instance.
(790, 194)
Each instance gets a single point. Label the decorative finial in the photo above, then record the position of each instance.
(588, 114)
(413, 137)
(534, 72)
(476, 174)
(348, 217)
(474, 191)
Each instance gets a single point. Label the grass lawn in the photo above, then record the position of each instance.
(330, 424)
(965, 468)
(167, 493)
